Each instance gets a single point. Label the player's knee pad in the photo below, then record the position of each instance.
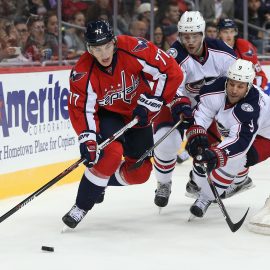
(110, 160)
(170, 146)
(136, 176)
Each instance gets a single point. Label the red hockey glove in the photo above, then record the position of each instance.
(147, 109)
(89, 147)
(213, 157)
(181, 109)
(197, 140)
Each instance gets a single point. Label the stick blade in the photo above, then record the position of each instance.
(236, 226)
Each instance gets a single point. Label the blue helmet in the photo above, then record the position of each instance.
(226, 24)
(98, 33)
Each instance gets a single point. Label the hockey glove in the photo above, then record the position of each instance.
(181, 109)
(147, 109)
(197, 140)
(89, 147)
(213, 158)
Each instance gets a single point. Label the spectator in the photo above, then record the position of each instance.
(214, 10)
(211, 30)
(144, 13)
(138, 29)
(256, 17)
(170, 35)
(99, 10)
(125, 14)
(70, 7)
(39, 46)
(37, 7)
(51, 23)
(9, 46)
(168, 13)
(23, 34)
(159, 37)
(11, 9)
(74, 37)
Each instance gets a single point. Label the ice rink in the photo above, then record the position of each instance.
(126, 232)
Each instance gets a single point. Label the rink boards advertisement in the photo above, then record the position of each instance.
(37, 141)
(36, 136)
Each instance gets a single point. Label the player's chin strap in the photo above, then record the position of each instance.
(66, 171)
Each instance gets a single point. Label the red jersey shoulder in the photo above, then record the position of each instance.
(82, 67)
(245, 49)
(134, 45)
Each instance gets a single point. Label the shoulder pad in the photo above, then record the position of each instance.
(219, 45)
(249, 107)
(178, 52)
(217, 86)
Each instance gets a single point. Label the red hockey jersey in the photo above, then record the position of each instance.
(117, 88)
(245, 50)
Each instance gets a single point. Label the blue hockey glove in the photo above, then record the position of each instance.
(181, 109)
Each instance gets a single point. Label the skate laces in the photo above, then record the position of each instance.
(77, 213)
(164, 190)
(202, 203)
(233, 187)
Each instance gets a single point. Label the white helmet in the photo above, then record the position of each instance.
(191, 22)
(242, 71)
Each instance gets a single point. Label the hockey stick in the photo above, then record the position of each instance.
(66, 171)
(233, 226)
(142, 158)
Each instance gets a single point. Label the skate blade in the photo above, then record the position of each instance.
(191, 217)
(159, 210)
(65, 229)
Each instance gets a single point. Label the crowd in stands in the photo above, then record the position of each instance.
(29, 28)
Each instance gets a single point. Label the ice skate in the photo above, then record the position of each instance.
(192, 189)
(74, 216)
(200, 206)
(162, 194)
(237, 188)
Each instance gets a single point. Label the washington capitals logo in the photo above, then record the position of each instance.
(76, 76)
(142, 44)
(249, 53)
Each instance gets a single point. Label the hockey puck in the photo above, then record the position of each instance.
(45, 248)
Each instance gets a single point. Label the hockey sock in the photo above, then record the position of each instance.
(88, 193)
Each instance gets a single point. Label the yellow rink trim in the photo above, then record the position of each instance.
(28, 181)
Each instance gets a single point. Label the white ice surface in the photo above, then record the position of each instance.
(126, 232)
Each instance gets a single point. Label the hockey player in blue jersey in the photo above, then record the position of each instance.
(202, 60)
(241, 112)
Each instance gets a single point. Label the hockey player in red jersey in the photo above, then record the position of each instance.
(244, 49)
(109, 86)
